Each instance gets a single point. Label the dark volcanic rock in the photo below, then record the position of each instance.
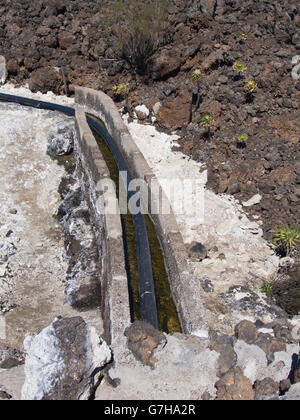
(287, 291)
(246, 331)
(62, 361)
(4, 396)
(224, 345)
(143, 340)
(197, 251)
(10, 357)
(12, 67)
(44, 80)
(297, 371)
(83, 276)
(267, 387)
(270, 345)
(61, 142)
(234, 386)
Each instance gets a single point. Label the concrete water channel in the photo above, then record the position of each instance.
(149, 290)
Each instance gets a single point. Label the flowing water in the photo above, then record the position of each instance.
(167, 314)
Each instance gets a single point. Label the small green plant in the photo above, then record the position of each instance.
(267, 288)
(242, 139)
(240, 66)
(197, 75)
(286, 239)
(250, 86)
(122, 89)
(206, 119)
(196, 78)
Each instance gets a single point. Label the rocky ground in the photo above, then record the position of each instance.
(81, 37)
(54, 46)
(258, 362)
(245, 360)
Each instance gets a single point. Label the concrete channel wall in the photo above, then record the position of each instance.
(108, 230)
(185, 288)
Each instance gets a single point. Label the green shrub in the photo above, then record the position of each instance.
(286, 239)
(122, 89)
(242, 139)
(197, 75)
(250, 86)
(240, 66)
(196, 78)
(206, 119)
(140, 30)
(267, 288)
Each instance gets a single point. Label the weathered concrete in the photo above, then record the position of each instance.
(3, 71)
(108, 230)
(186, 289)
(185, 369)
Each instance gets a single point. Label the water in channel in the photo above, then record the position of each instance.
(167, 313)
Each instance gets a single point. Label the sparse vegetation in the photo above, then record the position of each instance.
(196, 78)
(286, 239)
(206, 119)
(240, 66)
(197, 75)
(141, 29)
(250, 86)
(242, 139)
(267, 288)
(121, 91)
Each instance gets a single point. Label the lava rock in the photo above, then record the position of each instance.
(284, 386)
(44, 80)
(223, 344)
(234, 386)
(266, 387)
(234, 186)
(61, 142)
(270, 345)
(10, 357)
(143, 340)
(12, 67)
(197, 251)
(4, 396)
(297, 372)
(62, 361)
(246, 331)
